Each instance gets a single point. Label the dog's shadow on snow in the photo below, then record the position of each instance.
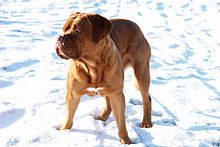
(99, 134)
(9, 117)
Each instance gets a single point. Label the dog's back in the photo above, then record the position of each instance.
(129, 40)
(122, 31)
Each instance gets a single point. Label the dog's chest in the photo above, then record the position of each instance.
(94, 74)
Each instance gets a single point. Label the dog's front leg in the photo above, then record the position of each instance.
(117, 103)
(72, 102)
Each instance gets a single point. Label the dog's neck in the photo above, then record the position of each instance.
(102, 54)
(102, 58)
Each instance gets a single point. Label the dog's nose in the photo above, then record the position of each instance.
(60, 38)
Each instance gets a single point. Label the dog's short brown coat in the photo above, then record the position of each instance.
(99, 50)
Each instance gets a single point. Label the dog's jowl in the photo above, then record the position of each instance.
(98, 50)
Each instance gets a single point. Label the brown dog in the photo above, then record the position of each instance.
(99, 50)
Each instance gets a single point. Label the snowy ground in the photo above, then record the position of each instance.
(185, 69)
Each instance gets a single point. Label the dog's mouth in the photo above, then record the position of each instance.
(59, 51)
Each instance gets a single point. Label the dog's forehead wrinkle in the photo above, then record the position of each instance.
(82, 20)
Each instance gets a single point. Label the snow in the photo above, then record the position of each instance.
(184, 37)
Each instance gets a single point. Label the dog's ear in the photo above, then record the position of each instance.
(101, 27)
(67, 25)
(74, 15)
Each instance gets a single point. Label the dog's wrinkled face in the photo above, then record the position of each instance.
(79, 30)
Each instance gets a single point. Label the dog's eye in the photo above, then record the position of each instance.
(77, 31)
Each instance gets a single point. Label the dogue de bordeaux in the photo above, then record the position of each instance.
(98, 50)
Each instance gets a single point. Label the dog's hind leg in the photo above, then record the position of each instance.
(142, 74)
(107, 110)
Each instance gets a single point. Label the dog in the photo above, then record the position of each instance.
(99, 50)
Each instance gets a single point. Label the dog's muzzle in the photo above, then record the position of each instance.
(59, 46)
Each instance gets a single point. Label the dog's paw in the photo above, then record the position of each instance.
(66, 126)
(100, 118)
(125, 140)
(146, 125)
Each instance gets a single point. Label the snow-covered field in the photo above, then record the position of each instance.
(185, 70)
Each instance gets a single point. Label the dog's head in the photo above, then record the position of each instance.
(80, 30)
